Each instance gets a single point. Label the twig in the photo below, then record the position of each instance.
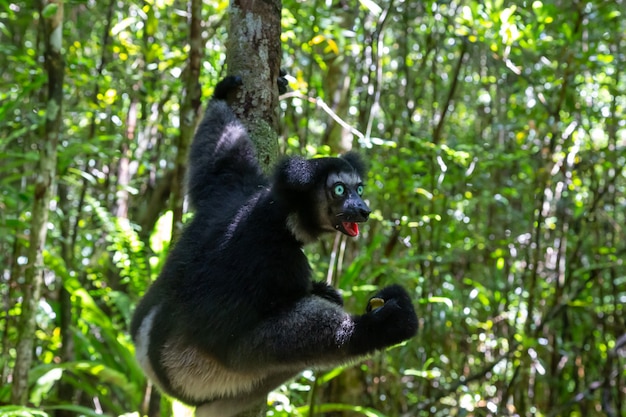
(320, 103)
(465, 381)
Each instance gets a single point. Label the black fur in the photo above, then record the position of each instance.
(234, 312)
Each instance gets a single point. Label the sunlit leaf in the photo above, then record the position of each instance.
(372, 6)
(122, 25)
(444, 300)
(50, 10)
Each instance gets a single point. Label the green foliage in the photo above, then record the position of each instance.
(495, 136)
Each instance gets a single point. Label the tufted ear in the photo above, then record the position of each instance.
(294, 174)
(356, 161)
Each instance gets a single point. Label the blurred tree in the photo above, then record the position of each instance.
(44, 184)
(190, 107)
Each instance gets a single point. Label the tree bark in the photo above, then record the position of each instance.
(254, 52)
(51, 15)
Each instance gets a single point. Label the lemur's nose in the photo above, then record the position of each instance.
(364, 211)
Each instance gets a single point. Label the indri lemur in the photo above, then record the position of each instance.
(235, 312)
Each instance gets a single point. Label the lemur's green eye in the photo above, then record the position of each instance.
(339, 189)
(359, 190)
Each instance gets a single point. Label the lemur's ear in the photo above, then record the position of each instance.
(294, 174)
(356, 161)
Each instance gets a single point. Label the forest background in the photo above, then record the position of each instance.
(496, 137)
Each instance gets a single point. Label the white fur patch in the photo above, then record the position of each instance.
(141, 345)
(351, 179)
(296, 229)
(345, 330)
(191, 372)
(199, 376)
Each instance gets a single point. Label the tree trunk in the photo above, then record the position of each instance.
(189, 114)
(253, 52)
(51, 15)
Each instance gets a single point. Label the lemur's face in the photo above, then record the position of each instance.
(344, 207)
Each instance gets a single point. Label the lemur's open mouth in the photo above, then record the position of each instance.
(349, 228)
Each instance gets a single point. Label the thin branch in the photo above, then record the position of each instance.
(451, 389)
(106, 38)
(190, 106)
(451, 91)
(320, 103)
(378, 35)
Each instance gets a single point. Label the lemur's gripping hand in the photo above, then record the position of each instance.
(225, 86)
(282, 81)
(391, 312)
(231, 82)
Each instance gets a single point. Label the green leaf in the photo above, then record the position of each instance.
(123, 24)
(500, 264)
(328, 408)
(49, 10)
(426, 373)
(374, 8)
(78, 409)
(444, 300)
(21, 411)
(605, 58)
(322, 379)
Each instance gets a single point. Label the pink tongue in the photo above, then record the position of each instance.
(351, 228)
